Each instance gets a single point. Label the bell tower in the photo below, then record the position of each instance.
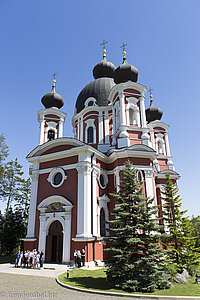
(51, 118)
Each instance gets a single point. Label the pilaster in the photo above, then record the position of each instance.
(84, 201)
(33, 203)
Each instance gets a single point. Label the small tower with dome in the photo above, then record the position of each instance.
(51, 118)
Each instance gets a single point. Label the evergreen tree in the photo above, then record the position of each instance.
(23, 202)
(3, 155)
(11, 182)
(12, 229)
(178, 239)
(137, 261)
(196, 229)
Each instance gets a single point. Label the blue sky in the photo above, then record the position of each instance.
(42, 37)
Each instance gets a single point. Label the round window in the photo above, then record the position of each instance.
(57, 178)
(102, 181)
(139, 177)
(91, 103)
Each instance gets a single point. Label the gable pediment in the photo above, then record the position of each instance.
(54, 146)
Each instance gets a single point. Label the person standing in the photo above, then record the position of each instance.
(79, 258)
(83, 257)
(17, 259)
(41, 259)
(75, 258)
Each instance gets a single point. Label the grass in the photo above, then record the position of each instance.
(96, 280)
(7, 259)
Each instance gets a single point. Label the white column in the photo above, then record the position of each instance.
(106, 124)
(41, 131)
(60, 129)
(149, 187)
(100, 127)
(167, 144)
(84, 201)
(149, 183)
(81, 129)
(78, 129)
(122, 108)
(94, 196)
(142, 110)
(43, 233)
(67, 238)
(152, 139)
(114, 121)
(32, 208)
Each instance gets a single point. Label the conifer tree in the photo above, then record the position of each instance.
(137, 261)
(23, 200)
(178, 237)
(11, 182)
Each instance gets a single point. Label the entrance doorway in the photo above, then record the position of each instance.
(54, 243)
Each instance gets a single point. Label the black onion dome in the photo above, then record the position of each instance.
(104, 69)
(125, 72)
(153, 113)
(99, 89)
(52, 99)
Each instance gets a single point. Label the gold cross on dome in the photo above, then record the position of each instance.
(103, 44)
(123, 46)
(54, 75)
(150, 91)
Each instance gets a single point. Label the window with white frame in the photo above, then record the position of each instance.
(90, 135)
(160, 144)
(103, 215)
(90, 131)
(91, 101)
(132, 110)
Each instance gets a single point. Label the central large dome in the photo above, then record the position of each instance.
(99, 89)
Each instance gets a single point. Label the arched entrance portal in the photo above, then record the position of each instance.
(54, 243)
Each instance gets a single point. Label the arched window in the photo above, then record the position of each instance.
(102, 223)
(91, 103)
(132, 116)
(51, 135)
(90, 135)
(160, 147)
(139, 177)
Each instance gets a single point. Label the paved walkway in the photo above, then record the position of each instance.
(49, 270)
(14, 286)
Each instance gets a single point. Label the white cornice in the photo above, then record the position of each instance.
(133, 151)
(90, 109)
(54, 143)
(49, 111)
(157, 123)
(127, 85)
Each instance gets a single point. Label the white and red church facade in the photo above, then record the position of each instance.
(72, 178)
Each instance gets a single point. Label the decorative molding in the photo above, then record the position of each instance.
(53, 173)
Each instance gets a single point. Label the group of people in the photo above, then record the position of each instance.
(79, 257)
(29, 259)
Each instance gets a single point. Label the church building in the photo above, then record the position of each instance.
(72, 178)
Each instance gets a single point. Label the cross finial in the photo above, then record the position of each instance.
(54, 78)
(151, 97)
(123, 46)
(103, 44)
(104, 48)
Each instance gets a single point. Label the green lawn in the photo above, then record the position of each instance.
(7, 259)
(96, 280)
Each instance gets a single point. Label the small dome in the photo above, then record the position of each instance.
(52, 99)
(153, 113)
(125, 72)
(104, 69)
(99, 89)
